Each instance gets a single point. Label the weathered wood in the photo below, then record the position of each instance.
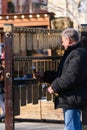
(39, 90)
(44, 89)
(26, 21)
(49, 98)
(41, 111)
(23, 95)
(29, 93)
(35, 93)
(16, 100)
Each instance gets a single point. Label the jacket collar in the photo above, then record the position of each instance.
(74, 46)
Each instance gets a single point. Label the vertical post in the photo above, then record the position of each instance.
(9, 123)
(84, 119)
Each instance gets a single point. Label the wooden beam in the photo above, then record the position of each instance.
(34, 19)
(26, 22)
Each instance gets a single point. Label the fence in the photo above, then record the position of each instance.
(26, 42)
(18, 73)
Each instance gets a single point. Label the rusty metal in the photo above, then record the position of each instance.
(9, 123)
(7, 75)
(84, 127)
(84, 119)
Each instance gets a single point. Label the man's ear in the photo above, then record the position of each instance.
(70, 41)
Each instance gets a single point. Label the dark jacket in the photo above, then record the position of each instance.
(71, 83)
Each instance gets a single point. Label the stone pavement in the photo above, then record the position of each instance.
(35, 126)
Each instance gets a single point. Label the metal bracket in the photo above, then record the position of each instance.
(84, 127)
(7, 34)
(7, 75)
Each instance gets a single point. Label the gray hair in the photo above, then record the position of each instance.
(71, 33)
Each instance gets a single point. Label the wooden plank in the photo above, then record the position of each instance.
(16, 100)
(48, 96)
(34, 94)
(26, 21)
(29, 93)
(44, 89)
(23, 95)
(39, 90)
(41, 111)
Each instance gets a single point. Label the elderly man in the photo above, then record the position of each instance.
(71, 82)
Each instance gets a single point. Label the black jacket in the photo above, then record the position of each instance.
(71, 83)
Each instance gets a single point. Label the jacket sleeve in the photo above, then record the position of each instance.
(71, 72)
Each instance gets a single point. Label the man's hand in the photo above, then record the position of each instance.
(50, 90)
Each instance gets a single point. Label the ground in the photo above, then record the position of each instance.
(43, 110)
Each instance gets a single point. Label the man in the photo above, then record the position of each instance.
(70, 86)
